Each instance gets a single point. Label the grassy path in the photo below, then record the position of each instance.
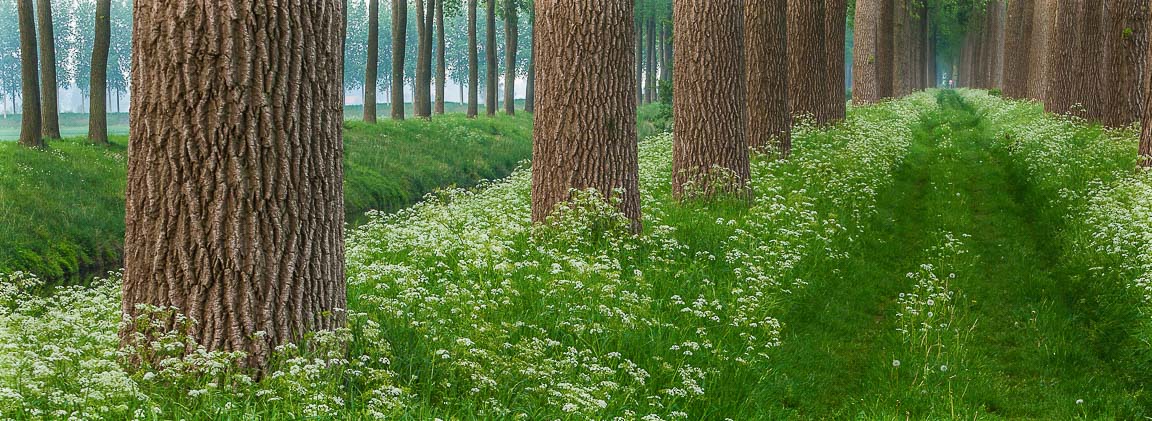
(1012, 345)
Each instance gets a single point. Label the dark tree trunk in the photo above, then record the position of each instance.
(1063, 58)
(98, 110)
(1043, 24)
(371, 69)
(930, 67)
(808, 60)
(710, 147)
(49, 104)
(422, 91)
(399, 43)
(1092, 70)
(441, 68)
(1127, 39)
(885, 42)
(492, 96)
(660, 63)
(1145, 152)
(511, 39)
(835, 24)
(473, 63)
(766, 49)
(666, 50)
(235, 204)
(650, 59)
(865, 55)
(585, 135)
(900, 48)
(30, 127)
(1018, 42)
(530, 89)
(639, 62)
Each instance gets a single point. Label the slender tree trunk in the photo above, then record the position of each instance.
(117, 101)
(530, 90)
(511, 38)
(399, 43)
(49, 104)
(1064, 58)
(639, 62)
(766, 53)
(98, 79)
(30, 127)
(660, 63)
(865, 63)
(666, 50)
(371, 70)
(492, 97)
(235, 209)
(650, 47)
(931, 67)
(422, 91)
(710, 146)
(808, 60)
(1145, 152)
(441, 68)
(473, 63)
(835, 24)
(585, 135)
(1127, 39)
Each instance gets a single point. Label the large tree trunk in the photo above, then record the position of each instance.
(511, 38)
(997, 47)
(1127, 40)
(1043, 23)
(1145, 152)
(371, 70)
(865, 60)
(30, 127)
(585, 135)
(399, 43)
(885, 56)
(422, 91)
(900, 48)
(235, 204)
(473, 63)
(1018, 42)
(1092, 73)
(710, 147)
(49, 104)
(808, 60)
(835, 24)
(441, 68)
(492, 96)
(650, 59)
(530, 89)
(1064, 58)
(930, 70)
(98, 78)
(766, 49)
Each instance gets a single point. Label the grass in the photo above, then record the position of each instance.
(62, 211)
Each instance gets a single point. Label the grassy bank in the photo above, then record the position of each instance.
(62, 210)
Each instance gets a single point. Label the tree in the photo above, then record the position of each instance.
(530, 89)
(441, 68)
(585, 136)
(1063, 59)
(510, 39)
(370, 70)
(808, 60)
(49, 113)
(98, 110)
(399, 43)
(834, 29)
(473, 63)
(865, 55)
(422, 91)
(1017, 65)
(1043, 23)
(30, 127)
(1127, 42)
(237, 223)
(650, 59)
(710, 145)
(491, 97)
(766, 52)
(885, 42)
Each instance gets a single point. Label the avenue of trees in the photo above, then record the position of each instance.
(235, 198)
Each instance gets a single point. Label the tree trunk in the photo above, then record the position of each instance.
(371, 69)
(1042, 28)
(235, 204)
(1017, 42)
(473, 63)
(585, 135)
(834, 29)
(30, 127)
(997, 46)
(98, 79)
(710, 147)
(639, 62)
(1064, 58)
(650, 59)
(766, 53)
(441, 68)
(422, 91)
(530, 89)
(49, 104)
(930, 70)
(865, 60)
(399, 43)
(808, 60)
(885, 56)
(900, 48)
(511, 38)
(660, 63)
(666, 50)
(1092, 72)
(1128, 44)
(1145, 152)
(492, 96)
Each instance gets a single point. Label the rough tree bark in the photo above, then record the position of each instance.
(1127, 40)
(900, 48)
(441, 68)
(885, 42)
(1017, 42)
(530, 88)
(807, 60)
(511, 39)
(865, 65)
(1145, 152)
(835, 24)
(1063, 58)
(492, 96)
(585, 135)
(399, 44)
(473, 63)
(1042, 27)
(1092, 72)
(710, 147)
(98, 77)
(371, 70)
(766, 49)
(30, 128)
(422, 91)
(235, 201)
(49, 104)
